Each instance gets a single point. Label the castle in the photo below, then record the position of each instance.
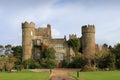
(33, 37)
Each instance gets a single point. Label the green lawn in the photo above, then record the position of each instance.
(24, 75)
(98, 75)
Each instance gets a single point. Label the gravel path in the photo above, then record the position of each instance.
(61, 74)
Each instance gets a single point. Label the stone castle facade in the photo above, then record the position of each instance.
(33, 37)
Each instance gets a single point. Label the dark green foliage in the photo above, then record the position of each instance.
(108, 62)
(8, 46)
(78, 62)
(1, 46)
(116, 51)
(49, 58)
(30, 63)
(47, 63)
(75, 44)
(18, 52)
(49, 53)
(111, 61)
(64, 63)
(103, 63)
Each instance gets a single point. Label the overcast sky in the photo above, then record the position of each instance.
(65, 16)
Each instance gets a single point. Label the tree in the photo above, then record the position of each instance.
(3, 61)
(48, 61)
(107, 58)
(9, 58)
(7, 62)
(100, 55)
(78, 61)
(111, 61)
(1, 47)
(116, 51)
(1, 50)
(50, 53)
(29, 63)
(8, 49)
(75, 44)
(18, 52)
(8, 46)
(10, 62)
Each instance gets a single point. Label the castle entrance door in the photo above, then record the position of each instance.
(59, 64)
(59, 58)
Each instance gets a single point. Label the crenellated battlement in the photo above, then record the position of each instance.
(88, 29)
(88, 42)
(32, 37)
(72, 36)
(28, 25)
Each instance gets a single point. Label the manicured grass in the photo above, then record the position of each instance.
(24, 75)
(98, 75)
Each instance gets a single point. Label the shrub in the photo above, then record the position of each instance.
(64, 63)
(78, 62)
(48, 63)
(29, 63)
(88, 68)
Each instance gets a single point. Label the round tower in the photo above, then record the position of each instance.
(88, 42)
(27, 36)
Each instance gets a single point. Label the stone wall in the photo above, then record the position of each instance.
(88, 40)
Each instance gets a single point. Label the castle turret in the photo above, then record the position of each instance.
(49, 30)
(72, 36)
(88, 42)
(27, 36)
